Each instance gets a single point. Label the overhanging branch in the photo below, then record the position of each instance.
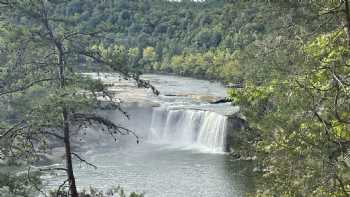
(140, 82)
(83, 160)
(22, 88)
(99, 120)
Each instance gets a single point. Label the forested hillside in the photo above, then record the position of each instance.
(189, 38)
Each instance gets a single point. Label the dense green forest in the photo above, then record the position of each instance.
(291, 57)
(187, 38)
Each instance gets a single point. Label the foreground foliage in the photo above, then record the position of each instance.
(300, 120)
(44, 98)
(92, 192)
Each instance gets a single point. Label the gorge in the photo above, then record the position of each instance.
(183, 140)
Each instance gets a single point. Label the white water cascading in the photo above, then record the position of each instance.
(194, 128)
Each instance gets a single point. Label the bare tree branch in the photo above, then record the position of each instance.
(83, 160)
(53, 169)
(53, 134)
(60, 188)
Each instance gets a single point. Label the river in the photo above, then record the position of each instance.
(181, 152)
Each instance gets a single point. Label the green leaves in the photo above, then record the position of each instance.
(301, 116)
(216, 64)
(328, 48)
(340, 131)
(115, 54)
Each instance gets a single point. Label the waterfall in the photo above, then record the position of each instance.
(185, 127)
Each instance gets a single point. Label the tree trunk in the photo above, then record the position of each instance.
(69, 164)
(65, 113)
(66, 130)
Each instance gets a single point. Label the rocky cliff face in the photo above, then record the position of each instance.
(235, 126)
